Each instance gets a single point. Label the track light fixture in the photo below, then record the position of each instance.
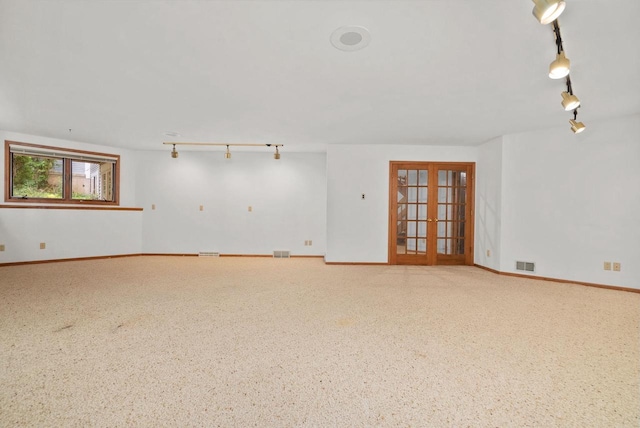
(576, 127)
(547, 11)
(560, 67)
(227, 154)
(569, 101)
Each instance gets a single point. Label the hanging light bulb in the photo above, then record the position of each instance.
(276, 155)
(576, 127)
(547, 11)
(174, 153)
(560, 67)
(227, 155)
(570, 101)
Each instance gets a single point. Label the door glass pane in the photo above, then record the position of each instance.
(402, 194)
(412, 211)
(422, 246)
(423, 177)
(442, 246)
(442, 178)
(422, 229)
(460, 229)
(401, 237)
(411, 246)
(402, 212)
(458, 246)
(413, 194)
(402, 177)
(422, 194)
(411, 229)
(444, 194)
(422, 212)
(413, 177)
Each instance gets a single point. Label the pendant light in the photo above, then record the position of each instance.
(570, 101)
(174, 153)
(227, 155)
(547, 11)
(560, 67)
(576, 127)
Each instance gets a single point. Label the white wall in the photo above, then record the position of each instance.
(70, 233)
(571, 202)
(489, 204)
(357, 229)
(287, 196)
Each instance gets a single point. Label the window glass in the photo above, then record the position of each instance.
(36, 177)
(92, 180)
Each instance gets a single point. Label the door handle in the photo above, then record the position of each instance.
(429, 220)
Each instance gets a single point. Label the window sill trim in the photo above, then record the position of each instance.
(70, 207)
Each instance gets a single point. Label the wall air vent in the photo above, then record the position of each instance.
(208, 254)
(281, 254)
(526, 266)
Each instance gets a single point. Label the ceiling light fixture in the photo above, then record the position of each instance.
(560, 67)
(576, 127)
(547, 11)
(227, 155)
(569, 101)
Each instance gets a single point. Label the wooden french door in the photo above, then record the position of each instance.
(431, 213)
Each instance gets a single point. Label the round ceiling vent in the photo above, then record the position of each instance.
(350, 38)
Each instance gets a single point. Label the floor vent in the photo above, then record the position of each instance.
(526, 266)
(208, 254)
(281, 254)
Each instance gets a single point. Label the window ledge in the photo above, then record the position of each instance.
(69, 207)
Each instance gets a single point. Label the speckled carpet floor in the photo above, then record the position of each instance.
(243, 342)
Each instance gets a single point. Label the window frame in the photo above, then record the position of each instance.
(67, 155)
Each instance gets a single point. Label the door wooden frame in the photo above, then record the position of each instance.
(469, 225)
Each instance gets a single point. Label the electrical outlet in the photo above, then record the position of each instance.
(488, 253)
(310, 242)
(43, 245)
(1, 247)
(607, 265)
(616, 267)
(250, 208)
(201, 207)
(153, 206)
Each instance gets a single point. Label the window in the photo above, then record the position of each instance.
(35, 173)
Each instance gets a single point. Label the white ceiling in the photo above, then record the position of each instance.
(459, 72)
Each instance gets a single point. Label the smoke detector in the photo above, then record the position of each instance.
(350, 38)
